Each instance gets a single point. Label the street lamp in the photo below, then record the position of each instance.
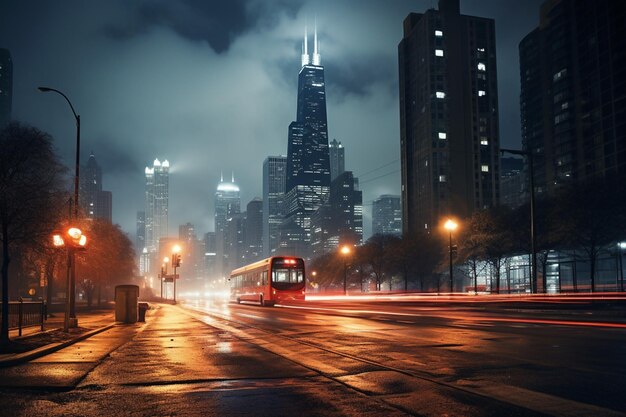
(74, 240)
(73, 269)
(166, 260)
(621, 246)
(533, 231)
(345, 251)
(175, 264)
(451, 226)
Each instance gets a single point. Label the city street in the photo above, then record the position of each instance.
(334, 359)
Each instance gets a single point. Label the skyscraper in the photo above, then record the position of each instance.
(337, 159)
(448, 116)
(274, 168)
(253, 231)
(308, 166)
(6, 86)
(227, 204)
(95, 202)
(340, 219)
(573, 111)
(157, 203)
(140, 242)
(387, 215)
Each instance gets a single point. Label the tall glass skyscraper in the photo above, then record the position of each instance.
(157, 203)
(96, 202)
(308, 165)
(337, 159)
(227, 204)
(274, 168)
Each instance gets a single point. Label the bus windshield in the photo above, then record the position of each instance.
(290, 275)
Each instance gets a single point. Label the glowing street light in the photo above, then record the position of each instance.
(451, 226)
(175, 264)
(77, 166)
(345, 251)
(166, 260)
(73, 239)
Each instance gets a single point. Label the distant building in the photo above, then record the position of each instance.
(512, 182)
(157, 203)
(6, 86)
(387, 215)
(308, 166)
(448, 116)
(210, 256)
(253, 232)
(572, 102)
(337, 159)
(192, 265)
(341, 218)
(227, 204)
(96, 203)
(140, 242)
(274, 169)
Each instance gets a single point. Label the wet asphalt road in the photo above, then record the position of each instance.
(214, 358)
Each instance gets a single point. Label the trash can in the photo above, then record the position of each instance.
(143, 307)
(126, 303)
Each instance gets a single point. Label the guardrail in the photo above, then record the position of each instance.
(26, 314)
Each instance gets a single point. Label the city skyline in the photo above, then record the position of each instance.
(119, 58)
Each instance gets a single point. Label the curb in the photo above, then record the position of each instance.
(47, 349)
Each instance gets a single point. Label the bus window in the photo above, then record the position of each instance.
(287, 275)
(264, 278)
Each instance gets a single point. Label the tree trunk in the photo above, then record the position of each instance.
(4, 330)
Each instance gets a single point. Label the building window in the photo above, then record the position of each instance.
(484, 141)
(442, 178)
(438, 52)
(559, 75)
(438, 33)
(442, 135)
(481, 93)
(440, 94)
(484, 168)
(481, 67)
(480, 49)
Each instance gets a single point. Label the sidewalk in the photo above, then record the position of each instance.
(34, 343)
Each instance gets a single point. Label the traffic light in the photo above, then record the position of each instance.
(176, 260)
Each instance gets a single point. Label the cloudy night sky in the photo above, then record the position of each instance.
(211, 86)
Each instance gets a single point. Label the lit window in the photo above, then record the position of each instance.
(481, 49)
(442, 135)
(484, 141)
(482, 67)
(439, 52)
(440, 94)
(484, 168)
(442, 178)
(481, 93)
(438, 33)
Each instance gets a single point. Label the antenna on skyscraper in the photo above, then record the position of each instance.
(305, 49)
(233, 177)
(316, 55)
(221, 176)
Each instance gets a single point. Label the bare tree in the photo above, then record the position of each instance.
(31, 189)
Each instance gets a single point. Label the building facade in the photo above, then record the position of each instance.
(6, 86)
(307, 182)
(274, 169)
(253, 232)
(573, 111)
(227, 204)
(387, 215)
(157, 203)
(96, 203)
(448, 116)
(337, 156)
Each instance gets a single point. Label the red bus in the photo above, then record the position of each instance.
(269, 281)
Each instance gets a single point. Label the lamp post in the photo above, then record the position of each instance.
(164, 273)
(76, 176)
(451, 226)
(175, 264)
(73, 239)
(533, 232)
(345, 251)
(621, 246)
